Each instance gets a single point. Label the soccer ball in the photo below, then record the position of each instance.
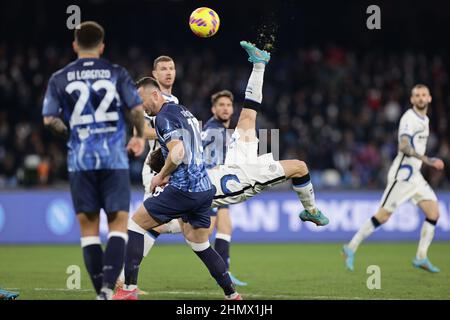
(204, 22)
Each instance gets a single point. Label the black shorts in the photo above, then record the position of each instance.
(173, 203)
(93, 190)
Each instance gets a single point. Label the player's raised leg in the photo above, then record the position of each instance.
(297, 170)
(431, 210)
(253, 94)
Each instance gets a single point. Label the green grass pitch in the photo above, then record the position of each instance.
(273, 271)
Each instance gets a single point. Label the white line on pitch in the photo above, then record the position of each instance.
(218, 294)
(63, 289)
(214, 293)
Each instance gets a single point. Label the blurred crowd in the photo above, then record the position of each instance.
(336, 109)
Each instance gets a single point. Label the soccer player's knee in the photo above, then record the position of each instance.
(302, 168)
(383, 216)
(434, 215)
(164, 228)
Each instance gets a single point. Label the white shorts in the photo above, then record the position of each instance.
(415, 189)
(147, 176)
(244, 174)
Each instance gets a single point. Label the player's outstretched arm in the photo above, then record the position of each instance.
(406, 147)
(56, 125)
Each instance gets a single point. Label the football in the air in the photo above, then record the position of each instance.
(204, 22)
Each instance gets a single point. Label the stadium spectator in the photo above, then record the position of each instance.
(335, 108)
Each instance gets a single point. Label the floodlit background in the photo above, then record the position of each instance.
(334, 89)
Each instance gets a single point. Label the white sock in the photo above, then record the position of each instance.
(148, 244)
(198, 247)
(366, 230)
(255, 83)
(223, 236)
(426, 236)
(129, 287)
(306, 195)
(108, 292)
(122, 276)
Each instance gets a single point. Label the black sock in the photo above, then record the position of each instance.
(133, 259)
(375, 222)
(250, 104)
(154, 234)
(217, 269)
(223, 249)
(113, 260)
(302, 181)
(433, 222)
(93, 259)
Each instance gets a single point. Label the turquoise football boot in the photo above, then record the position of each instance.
(349, 256)
(319, 218)
(236, 281)
(255, 55)
(425, 264)
(8, 295)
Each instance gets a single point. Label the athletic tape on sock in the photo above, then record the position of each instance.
(301, 181)
(375, 222)
(432, 222)
(223, 236)
(200, 246)
(118, 234)
(88, 241)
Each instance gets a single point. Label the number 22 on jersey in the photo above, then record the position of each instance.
(101, 114)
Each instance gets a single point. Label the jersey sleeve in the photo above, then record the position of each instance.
(169, 127)
(52, 103)
(405, 127)
(127, 90)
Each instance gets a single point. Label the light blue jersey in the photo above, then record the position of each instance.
(91, 95)
(175, 122)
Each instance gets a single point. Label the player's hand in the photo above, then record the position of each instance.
(158, 181)
(136, 145)
(437, 163)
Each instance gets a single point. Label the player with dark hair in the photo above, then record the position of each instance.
(244, 174)
(187, 194)
(86, 102)
(164, 72)
(405, 182)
